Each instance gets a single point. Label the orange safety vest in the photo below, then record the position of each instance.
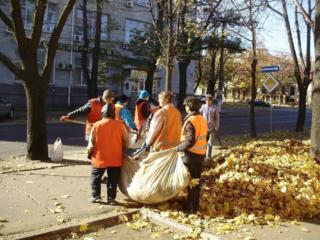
(107, 153)
(201, 128)
(169, 135)
(139, 120)
(94, 115)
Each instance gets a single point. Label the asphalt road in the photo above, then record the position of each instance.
(238, 122)
(233, 122)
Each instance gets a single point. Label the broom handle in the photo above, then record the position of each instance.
(75, 121)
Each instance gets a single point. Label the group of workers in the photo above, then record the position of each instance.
(109, 123)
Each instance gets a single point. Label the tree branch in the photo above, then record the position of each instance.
(54, 39)
(6, 20)
(10, 65)
(18, 27)
(306, 16)
(154, 22)
(273, 9)
(299, 37)
(38, 22)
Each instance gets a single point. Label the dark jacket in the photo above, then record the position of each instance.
(145, 109)
(190, 158)
(84, 110)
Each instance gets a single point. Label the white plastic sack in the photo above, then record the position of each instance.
(56, 153)
(160, 177)
(128, 170)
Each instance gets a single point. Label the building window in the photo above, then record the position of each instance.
(137, 79)
(28, 9)
(132, 26)
(50, 17)
(91, 16)
(77, 77)
(143, 3)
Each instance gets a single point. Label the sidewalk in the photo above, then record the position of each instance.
(49, 194)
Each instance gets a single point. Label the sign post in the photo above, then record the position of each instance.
(270, 84)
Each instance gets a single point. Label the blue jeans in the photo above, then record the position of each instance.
(112, 183)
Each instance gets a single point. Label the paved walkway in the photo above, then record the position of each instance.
(48, 195)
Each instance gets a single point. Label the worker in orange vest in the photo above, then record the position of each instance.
(165, 126)
(92, 109)
(193, 144)
(123, 114)
(142, 110)
(106, 155)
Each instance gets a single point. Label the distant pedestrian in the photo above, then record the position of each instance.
(92, 109)
(211, 114)
(193, 144)
(108, 139)
(142, 110)
(123, 113)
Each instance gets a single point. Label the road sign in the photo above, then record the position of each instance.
(270, 69)
(270, 83)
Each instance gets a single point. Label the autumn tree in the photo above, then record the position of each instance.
(250, 15)
(91, 78)
(302, 76)
(35, 81)
(315, 96)
(145, 45)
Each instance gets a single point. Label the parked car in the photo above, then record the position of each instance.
(260, 103)
(6, 108)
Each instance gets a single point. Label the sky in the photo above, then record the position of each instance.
(274, 35)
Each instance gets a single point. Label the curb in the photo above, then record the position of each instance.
(86, 226)
(158, 219)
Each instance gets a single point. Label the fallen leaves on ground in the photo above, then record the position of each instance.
(259, 182)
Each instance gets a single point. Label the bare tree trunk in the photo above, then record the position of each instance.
(183, 66)
(157, 51)
(148, 85)
(315, 127)
(212, 79)
(254, 63)
(96, 52)
(170, 53)
(36, 94)
(199, 77)
(297, 73)
(85, 50)
(221, 72)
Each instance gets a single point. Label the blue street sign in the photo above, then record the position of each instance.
(269, 69)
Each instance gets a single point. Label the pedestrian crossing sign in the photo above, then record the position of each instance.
(270, 84)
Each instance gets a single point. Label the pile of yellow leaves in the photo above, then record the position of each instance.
(259, 182)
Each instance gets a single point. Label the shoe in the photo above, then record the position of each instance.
(95, 199)
(104, 180)
(112, 202)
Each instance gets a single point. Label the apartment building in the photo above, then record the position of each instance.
(120, 70)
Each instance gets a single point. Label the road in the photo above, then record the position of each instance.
(237, 122)
(233, 122)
